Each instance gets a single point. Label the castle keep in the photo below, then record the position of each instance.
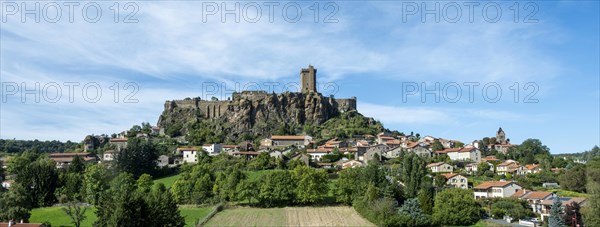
(308, 80)
(308, 100)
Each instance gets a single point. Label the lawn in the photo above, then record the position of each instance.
(192, 215)
(167, 181)
(57, 217)
(289, 216)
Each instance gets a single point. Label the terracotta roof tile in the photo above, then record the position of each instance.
(537, 195)
(489, 184)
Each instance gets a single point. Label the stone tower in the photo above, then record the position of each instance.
(308, 80)
(500, 136)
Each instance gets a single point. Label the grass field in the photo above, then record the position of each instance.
(57, 217)
(168, 181)
(192, 215)
(289, 216)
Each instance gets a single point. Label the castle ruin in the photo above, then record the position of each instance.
(212, 109)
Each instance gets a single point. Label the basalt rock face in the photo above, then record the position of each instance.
(255, 113)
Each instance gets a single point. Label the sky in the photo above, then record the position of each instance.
(456, 70)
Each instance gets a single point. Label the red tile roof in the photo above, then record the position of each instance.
(531, 166)
(489, 184)
(449, 175)
(187, 149)
(537, 195)
(490, 158)
(520, 192)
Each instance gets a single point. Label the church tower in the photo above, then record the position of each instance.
(308, 80)
(500, 136)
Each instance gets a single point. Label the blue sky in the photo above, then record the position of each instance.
(377, 51)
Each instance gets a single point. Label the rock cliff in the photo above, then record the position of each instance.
(251, 114)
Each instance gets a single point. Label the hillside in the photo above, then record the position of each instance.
(251, 115)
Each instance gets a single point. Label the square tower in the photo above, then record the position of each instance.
(308, 80)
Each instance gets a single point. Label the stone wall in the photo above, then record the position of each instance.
(345, 105)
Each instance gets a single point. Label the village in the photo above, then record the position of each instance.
(461, 165)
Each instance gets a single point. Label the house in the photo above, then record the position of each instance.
(419, 148)
(394, 152)
(455, 180)
(163, 161)
(212, 149)
(506, 167)
(285, 141)
(317, 154)
(440, 167)
(230, 149)
(189, 154)
(63, 160)
(528, 169)
(336, 143)
(302, 157)
(108, 155)
(535, 198)
(547, 204)
(374, 152)
(471, 168)
(119, 143)
(493, 189)
(462, 154)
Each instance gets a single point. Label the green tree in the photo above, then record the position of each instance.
(311, 184)
(246, 190)
(413, 171)
(482, 167)
(425, 197)
(592, 208)
(513, 208)
(72, 190)
(137, 158)
(163, 209)
(456, 206)
(76, 212)
(96, 181)
(144, 183)
(77, 165)
(437, 146)
(574, 178)
(276, 188)
(262, 161)
(412, 209)
(555, 220)
(121, 204)
(15, 204)
(39, 178)
(527, 151)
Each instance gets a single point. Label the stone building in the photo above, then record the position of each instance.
(308, 79)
